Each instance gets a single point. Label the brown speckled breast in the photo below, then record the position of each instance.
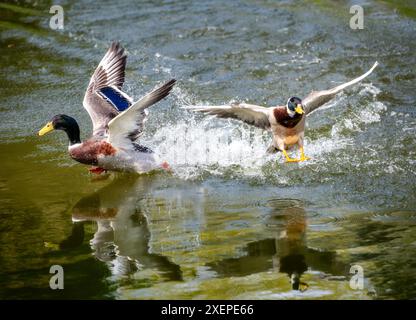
(283, 118)
(88, 151)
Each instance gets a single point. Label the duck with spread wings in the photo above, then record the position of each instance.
(286, 123)
(117, 121)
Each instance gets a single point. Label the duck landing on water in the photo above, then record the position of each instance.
(286, 123)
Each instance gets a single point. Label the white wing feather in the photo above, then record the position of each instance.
(125, 127)
(248, 113)
(318, 98)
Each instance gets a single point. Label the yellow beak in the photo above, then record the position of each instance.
(299, 109)
(47, 128)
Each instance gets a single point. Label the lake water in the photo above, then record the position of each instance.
(231, 222)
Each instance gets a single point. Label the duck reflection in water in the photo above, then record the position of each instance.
(287, 252)
(122, 236)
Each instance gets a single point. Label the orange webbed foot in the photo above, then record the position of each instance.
(96, 170)
(166, 166)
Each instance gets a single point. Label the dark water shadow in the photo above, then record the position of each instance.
(287, 252)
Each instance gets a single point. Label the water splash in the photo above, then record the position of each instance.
(196, 145)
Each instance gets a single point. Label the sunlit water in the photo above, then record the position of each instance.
(230, 222)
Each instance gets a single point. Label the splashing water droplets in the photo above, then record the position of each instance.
(199, 144)
(194, 145)
(370, 113)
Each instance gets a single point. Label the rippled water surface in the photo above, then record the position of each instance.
(231, 222)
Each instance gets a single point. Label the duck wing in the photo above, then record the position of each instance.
(249, 113)
(104, 98)
(318, 98)
(127, 126)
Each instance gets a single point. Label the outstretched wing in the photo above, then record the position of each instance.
(318, 98)
(128, 125)
(104, 99)
(249, 113)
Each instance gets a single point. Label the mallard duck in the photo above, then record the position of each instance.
(117, 121)
(287, 123)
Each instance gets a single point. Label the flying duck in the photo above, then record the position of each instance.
(287, 123)
(117, 121)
